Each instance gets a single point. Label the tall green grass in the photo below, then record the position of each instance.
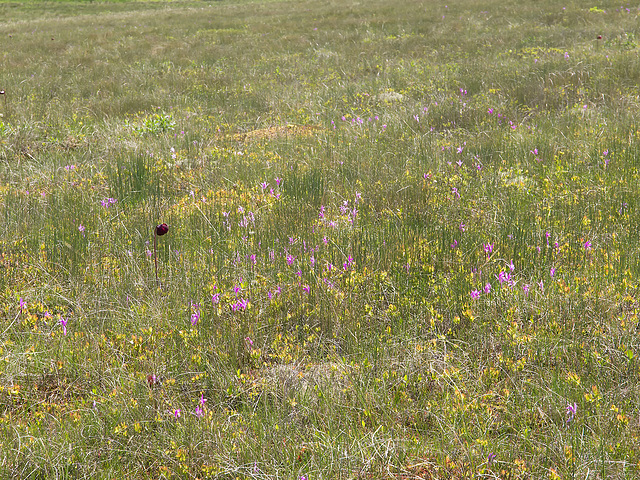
(402, 240)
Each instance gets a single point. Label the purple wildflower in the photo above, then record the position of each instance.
(488, 248)
(572, 410)
(195, 316)
(63, 322)
(504, 277)
(107, 202)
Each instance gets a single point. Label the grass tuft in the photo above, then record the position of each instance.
(401, 240)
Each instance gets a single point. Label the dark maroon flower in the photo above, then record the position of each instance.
(599, 37)
(162, 229)
(154, 381)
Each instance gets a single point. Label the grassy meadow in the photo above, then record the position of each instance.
(402, 240)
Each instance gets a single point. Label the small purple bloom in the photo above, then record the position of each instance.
(107, 202)
(63, 322)
(475, 294)
(195, 316)
(623, 207)
(240, 305)
(504, 277)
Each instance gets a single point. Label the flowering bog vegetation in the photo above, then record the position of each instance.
(316, 240)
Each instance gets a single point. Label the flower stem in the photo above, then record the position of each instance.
(155, 252)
